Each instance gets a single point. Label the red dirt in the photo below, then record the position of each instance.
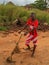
(7, 43)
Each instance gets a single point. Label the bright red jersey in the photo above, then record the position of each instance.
(32, 24)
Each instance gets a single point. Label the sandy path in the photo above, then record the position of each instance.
(7, 43)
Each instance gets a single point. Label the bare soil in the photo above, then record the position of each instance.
(8, 42)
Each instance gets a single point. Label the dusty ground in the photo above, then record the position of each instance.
(7, 43)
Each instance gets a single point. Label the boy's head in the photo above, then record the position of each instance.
(33, 16)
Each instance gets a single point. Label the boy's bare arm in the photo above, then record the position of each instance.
(28, 31)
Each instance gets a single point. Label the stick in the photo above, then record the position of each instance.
(9, 59)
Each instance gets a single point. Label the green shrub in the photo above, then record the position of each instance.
(8, 13)
(2, 28)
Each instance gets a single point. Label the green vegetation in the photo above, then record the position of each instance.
(8, 13)
(40, 4)
(3, 28)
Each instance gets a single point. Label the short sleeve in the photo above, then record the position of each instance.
(36, 24)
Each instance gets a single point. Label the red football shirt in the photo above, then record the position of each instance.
(32, 24)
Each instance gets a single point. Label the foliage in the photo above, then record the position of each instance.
(9, 13)
(2, 28)
(40, 4)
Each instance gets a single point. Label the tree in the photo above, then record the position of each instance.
(40, 4)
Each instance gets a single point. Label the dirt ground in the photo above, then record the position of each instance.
(8, 42)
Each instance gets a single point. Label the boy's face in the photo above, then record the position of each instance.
(33, 17)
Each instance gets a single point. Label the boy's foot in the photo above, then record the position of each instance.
(32, 55)
(33, 52)
(28, 48)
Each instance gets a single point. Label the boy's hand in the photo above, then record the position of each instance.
(19, 32)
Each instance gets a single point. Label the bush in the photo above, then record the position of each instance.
(8, 13)
(2, 28)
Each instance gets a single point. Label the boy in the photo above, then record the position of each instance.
(32, 22)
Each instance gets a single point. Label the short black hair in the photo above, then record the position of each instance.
(32, 13)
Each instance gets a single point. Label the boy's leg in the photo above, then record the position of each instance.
(35, 45)
(28, 41)
(28, 47)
